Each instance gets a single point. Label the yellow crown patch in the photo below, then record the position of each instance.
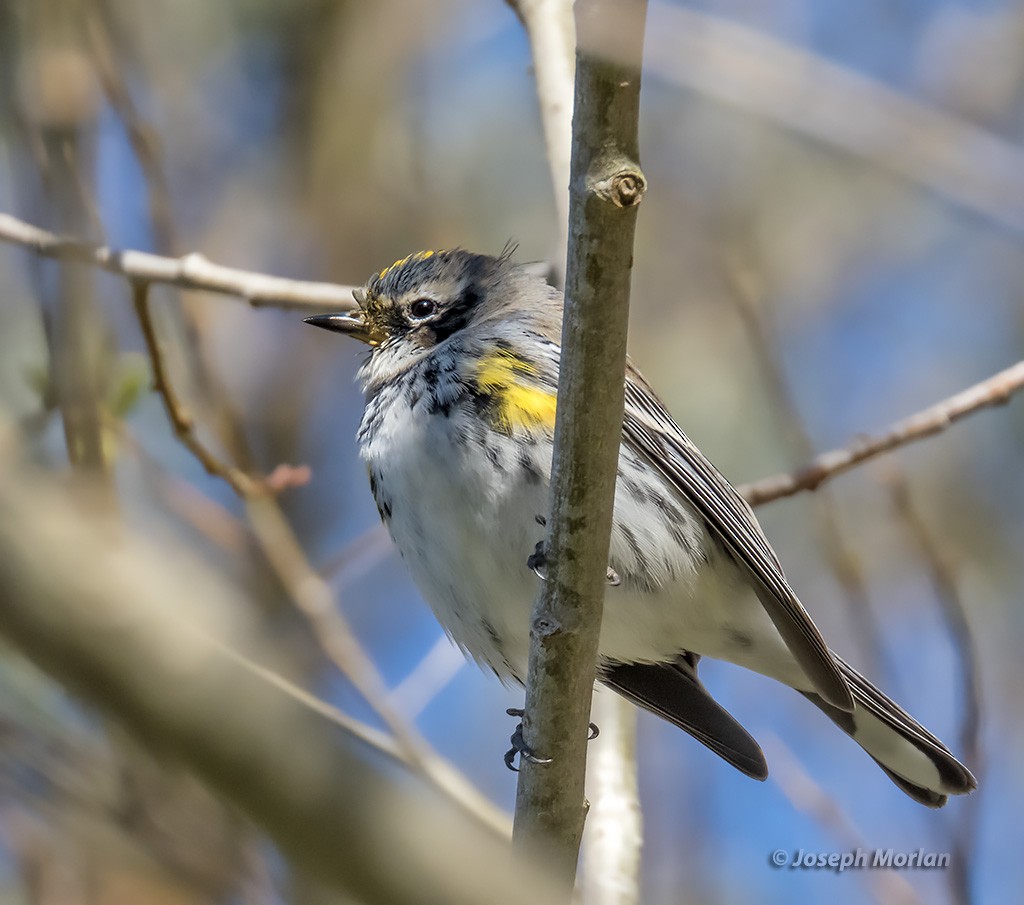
(408, 259)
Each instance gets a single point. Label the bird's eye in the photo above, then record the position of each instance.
(422, 308)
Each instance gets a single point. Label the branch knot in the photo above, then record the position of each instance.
(624, 187)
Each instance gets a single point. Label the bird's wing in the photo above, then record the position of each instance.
(673, 692)
(650, 430)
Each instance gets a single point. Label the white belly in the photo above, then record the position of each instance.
(466, 524)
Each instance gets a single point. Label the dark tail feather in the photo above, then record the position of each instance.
(911, 756)
(673, 692)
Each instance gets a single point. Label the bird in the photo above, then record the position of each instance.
(460, 397)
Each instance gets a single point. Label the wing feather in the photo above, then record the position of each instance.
(650, 430)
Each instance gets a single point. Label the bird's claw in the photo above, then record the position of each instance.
(519, 745)
(524, 751)
(537, 560)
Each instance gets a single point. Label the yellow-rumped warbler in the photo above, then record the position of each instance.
(457, 435)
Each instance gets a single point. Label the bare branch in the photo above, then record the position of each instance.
(185, 497)
(612, 841)
(177, 414)
(605, 187)
(192, 271)
(996, 390)
(99, 40)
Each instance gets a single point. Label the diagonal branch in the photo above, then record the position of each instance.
(996, 390)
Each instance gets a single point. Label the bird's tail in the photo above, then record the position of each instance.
(911, 756)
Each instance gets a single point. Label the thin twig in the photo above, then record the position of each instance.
(192, 271)
(954, 613)
(177, 414)
(996, 390)
(214, 521)
(378, 739)
(605, 188)
(356, 557)
(315, 600)
(107, 55)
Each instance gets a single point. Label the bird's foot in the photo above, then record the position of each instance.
(524, 751)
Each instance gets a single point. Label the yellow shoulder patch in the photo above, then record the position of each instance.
(518, 405)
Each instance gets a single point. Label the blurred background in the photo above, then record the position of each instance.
(831, 241)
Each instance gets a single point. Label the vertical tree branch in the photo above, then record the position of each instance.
(605, 187)
(610, 861)
(551, 28)
(610, 872)
(60, 101)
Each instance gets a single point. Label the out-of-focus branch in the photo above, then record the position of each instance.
(954, 613)
(192, 271)
(996, 390)
(104, 611)
(610, 871)
(442, 663)
(106, 47)
(844, 109)
(59, 103)
(98, 39)
(552, 32)
(606, 186)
